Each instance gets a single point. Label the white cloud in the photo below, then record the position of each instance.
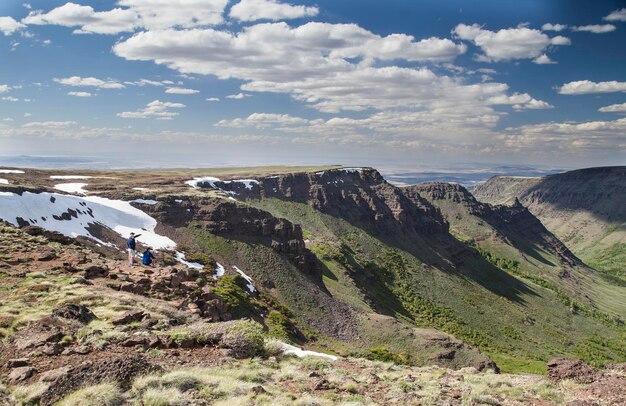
(78, 81)
(263, 120)
(181, 90)
(595, 28)
(157, 109)
(27, 114)
(212, 99)
(508, 44)
(7, 119)
(614, 108)
(276, 50)
(519, 101)
(132, 15)
(49, 124)
(589, 87)
(10, 99)
(617, 15)
(553, 27)
(237, 96)
(162, 14)
(80, 94)
(8, 25)
(566, 137)
(560, 40)
(90, 21)
(145, 82)
(252, 10)
(543, 59)
(4, 88)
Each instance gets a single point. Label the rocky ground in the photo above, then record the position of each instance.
(82, 328)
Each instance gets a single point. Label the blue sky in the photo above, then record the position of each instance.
(247, 82)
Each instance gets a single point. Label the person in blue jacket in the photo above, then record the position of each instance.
(132, 245)
(148, 256)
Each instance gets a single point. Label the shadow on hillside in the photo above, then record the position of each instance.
(599, 191)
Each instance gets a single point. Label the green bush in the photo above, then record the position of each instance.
(201, 258)
(240, 304)
(380, 353)
(279, 326)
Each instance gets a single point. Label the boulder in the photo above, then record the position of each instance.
(75, 312)
(559, 369)
(44, 254)
(20, 374)
(128, 317)
(17, 362)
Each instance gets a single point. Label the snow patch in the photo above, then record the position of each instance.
(207, 179)
(72, 188)
(299, 352)
(70, 177)
(180, 257)
(10, 171)
(247, 182)
(4, 181)
(72, 215)
(248, 279)
(140, 188)
(352, 170)
(219, 270)
(144, 201)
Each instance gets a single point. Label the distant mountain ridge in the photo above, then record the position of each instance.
(585, 208)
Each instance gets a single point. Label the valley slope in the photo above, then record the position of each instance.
(354, 265)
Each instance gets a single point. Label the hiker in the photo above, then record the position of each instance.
(132, 244)
(148, 256)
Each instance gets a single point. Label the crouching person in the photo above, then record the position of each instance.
(148, 257)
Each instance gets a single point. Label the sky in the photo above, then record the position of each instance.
(397, 83)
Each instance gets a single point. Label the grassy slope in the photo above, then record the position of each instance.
(521, 330)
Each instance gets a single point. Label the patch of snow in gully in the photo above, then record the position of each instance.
(76, 188)
(4, 181)
(10, 171)
(70, 177)
(248, 279)
(298, 352)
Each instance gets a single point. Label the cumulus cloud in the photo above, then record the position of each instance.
(553, 27)
(566, 137)
(132, 15)
(595, 28)
(10, 99)
(589, 87)
(508, 44)
(543, 59)
(181, 90)
(86, 18)
(4, 88)
(157, 109)
(80, 94)
(252, 10)
(614, 108)
(237, 96)
(617, 15)
(8, 25)
(78, 81)
(262, 120)
(212, 99)
(276, 50)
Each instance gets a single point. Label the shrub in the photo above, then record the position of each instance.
(232, 292)
(279, 326)
(201, 258)
(381, 353)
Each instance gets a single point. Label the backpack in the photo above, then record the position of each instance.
(131, 243)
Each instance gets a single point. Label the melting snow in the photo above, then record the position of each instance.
(120, 216)
(70, 177)
(140, 188)
(72, 188)
(219, 270)
(290, 349)
(4, 181)
(207, 179)
(180, 257)
(144, 201)
(248, 183)
(10, 171)
(248, 279)
(352, 170)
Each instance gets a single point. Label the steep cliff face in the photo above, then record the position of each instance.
(359, 196)
(514, 224)
(584, 208)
